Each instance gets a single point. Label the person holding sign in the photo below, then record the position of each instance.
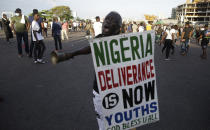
(125, 95)
(111, 26)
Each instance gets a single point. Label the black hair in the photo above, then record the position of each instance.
(35, 11)
(18, 10)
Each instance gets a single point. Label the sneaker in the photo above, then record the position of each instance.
(20, 56)
(28, 55)
(166, 59)
(41, 61)
(35, 62)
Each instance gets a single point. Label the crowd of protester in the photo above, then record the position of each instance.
(167, 35)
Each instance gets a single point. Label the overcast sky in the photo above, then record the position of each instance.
(90, 8)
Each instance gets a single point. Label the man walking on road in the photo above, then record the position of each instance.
(20, 27)
(185, 38)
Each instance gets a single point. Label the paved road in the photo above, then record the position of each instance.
(59, 97)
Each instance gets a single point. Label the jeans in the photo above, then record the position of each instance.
(39, 50)
(185, 46)
(24, 36)
(168, 44)
(57, 39)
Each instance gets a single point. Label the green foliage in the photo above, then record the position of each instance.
(63, 12)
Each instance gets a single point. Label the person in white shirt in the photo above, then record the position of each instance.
(169, 38)
(141, 27)
(74, 26)
(38, 40)
(97, 27)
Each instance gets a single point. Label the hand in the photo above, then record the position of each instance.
(182, 40)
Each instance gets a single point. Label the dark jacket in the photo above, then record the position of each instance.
(6, 27)
(56, 29)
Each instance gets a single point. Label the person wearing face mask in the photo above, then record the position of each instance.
(6, 27)
(20, 27)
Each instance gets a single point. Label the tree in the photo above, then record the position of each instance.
(63, 12)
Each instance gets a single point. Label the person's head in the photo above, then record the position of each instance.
(112, 24)
(134, 22)
(206, 27)
(141, 24)
(176, 27)
(18, 12)
(55, 19)
(4, 16)
(187, 24)
(35, 11)
(97, 19)
(150, 22)
(36, 16)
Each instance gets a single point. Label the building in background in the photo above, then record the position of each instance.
(74, 14)
(195, 11)
(173, 13)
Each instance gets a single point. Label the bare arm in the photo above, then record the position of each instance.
(191, 34)
(183, 33)
(35, 35)
(13, 28)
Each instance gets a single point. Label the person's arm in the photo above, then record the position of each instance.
(35, 34)
(173, 37)
(177, 34)
(190, 35)
(201, 35)
(163, 37)
(12, 27)
(27, 23)
(183, 33)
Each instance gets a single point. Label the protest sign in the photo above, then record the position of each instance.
(125, 73)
